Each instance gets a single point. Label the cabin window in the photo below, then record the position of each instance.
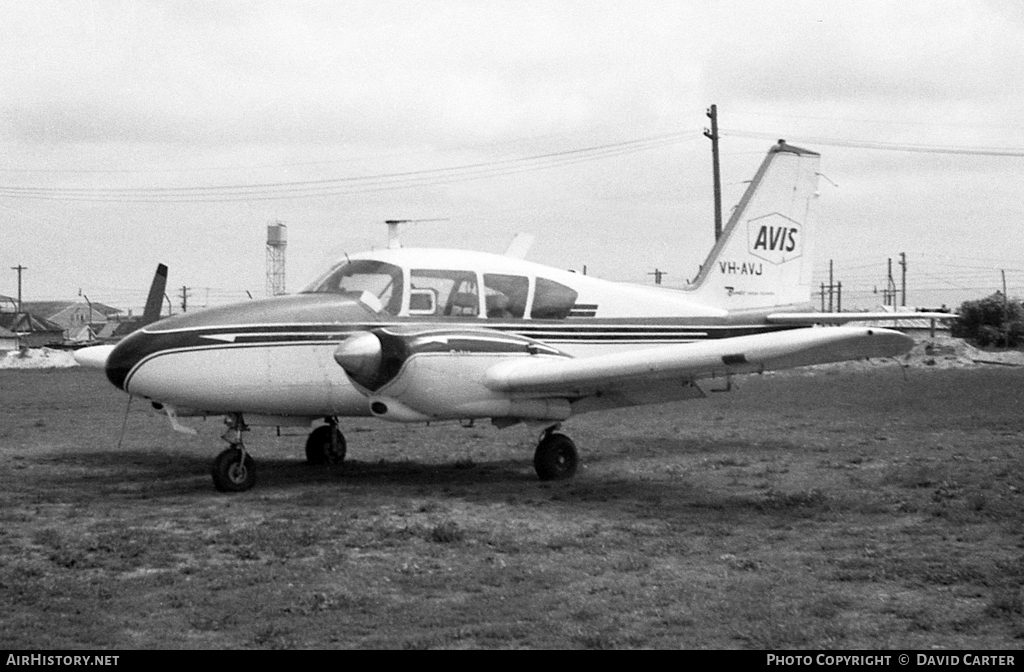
(505, 295)
(422, 301)
(552, 300)
(363, 275)
(454, 293)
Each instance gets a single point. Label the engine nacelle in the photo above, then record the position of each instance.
(420, 375)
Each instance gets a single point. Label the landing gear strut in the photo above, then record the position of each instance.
(326, 444)
(234, 469)
(556, 457)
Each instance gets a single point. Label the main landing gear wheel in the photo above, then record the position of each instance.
(233, 470)
(321, 450)
(556, 458)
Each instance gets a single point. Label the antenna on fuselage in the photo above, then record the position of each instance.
(393, 242)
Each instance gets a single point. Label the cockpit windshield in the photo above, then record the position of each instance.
(363, 275)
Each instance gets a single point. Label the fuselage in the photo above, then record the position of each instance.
(275, 356)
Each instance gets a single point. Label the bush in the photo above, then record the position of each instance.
(990, 321)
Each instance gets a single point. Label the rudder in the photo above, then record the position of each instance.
(764, 258)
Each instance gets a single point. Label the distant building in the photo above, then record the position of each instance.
(8, 341)
(116, 330)
(80, 320)
(32, 331)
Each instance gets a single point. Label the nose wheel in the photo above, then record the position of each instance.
(556, 458)
(234, 470)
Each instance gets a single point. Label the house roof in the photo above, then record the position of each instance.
(45, 309)
(51, 308)
(105, 309)
(126, 327)
(28, 323)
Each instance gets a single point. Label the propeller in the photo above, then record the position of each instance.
(360, 355)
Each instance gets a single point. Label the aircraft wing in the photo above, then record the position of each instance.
(843, 318)
(689, 362)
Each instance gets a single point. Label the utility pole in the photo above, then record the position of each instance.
(831, 285)
(184, 298)
(19, 268)
(903, 263)
(657, 275)
(1006, 313)
(713, 136)
(835, 292)
(889, 297)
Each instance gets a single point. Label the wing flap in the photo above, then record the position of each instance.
(693, 361)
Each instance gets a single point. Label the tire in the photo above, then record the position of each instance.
(318, 446)
(232, 473)
(556, 458)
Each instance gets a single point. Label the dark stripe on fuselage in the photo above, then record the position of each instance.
(144, 344)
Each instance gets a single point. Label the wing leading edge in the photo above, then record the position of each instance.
(694, 361)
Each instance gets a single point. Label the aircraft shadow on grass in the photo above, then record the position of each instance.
(169, 474)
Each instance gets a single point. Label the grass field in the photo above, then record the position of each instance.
(843, 510)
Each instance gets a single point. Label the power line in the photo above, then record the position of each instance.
(346, 185)
(1011, 152)
(888, 122)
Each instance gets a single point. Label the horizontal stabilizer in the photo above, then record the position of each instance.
(694, 361)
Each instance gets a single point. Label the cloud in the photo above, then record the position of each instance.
(939, 52)
(328, 73)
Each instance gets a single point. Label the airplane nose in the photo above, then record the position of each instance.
(360, 355)
(94, 356)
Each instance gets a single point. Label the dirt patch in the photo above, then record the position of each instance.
(931, 352)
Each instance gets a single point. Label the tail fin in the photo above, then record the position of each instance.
(155, 300)
(764, 257)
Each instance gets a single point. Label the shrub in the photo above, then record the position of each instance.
(990, 321)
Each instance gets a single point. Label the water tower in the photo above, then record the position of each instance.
(277, 240)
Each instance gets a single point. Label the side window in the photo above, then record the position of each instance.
(505, 295)
(552, 300)
(422, 301)
(441, 292)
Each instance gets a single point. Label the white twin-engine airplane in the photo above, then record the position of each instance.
(421, 335)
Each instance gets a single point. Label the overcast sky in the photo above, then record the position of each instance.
(105, 104)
